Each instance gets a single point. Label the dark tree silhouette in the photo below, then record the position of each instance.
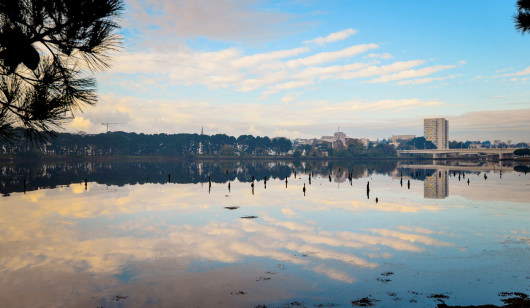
(522, 152)
(48, 50)
(522, 17)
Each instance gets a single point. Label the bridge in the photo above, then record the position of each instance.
(503, 153)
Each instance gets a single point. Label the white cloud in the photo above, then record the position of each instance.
(504, 70)
(80, 123)
(333, 37)
(232, 20)
(331, 56)
(389, 104)
(380, 70)
(298, 118)
(327, 71)
(526, 71)
(257, 59)
(523, 72)
(476, 126)
(290, 85)
(229, 68)
(252, 84)
(425, 80)
(411, 73)
(183, 66)
(384, 56)
(290, 98)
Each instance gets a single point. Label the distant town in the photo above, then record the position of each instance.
(436, 137)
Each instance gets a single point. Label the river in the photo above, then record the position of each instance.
(173, 234)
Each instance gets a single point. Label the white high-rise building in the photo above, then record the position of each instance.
(437, 131)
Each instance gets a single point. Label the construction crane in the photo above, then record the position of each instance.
(109, 123)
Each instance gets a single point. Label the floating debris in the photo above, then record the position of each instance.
(118, 298)
(438, 296)
(249, 217)
(261, 278)
(231, 207)
(365, 302)
(518, 300)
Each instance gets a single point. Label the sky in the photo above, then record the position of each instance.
(302, 69)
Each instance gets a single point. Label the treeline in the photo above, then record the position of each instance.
(484, 144)
(133, 144)
(186, 145)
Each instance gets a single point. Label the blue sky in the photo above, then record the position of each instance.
(303, 68)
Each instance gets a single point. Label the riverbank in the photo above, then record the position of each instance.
(131, 158)
(124, 158)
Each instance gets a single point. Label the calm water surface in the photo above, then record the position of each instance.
(157, 234)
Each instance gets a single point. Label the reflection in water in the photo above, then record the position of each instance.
(436, 185)
(126, 241)
(28, 177)
(51, 175)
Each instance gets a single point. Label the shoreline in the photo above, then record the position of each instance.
(128, 158)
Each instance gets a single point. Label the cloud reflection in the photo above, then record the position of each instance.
(106, 231)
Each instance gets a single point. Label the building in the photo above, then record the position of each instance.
(340, 136)
(329, 139)
(299, 142)
(437, 131)
(396, 138)
(365, 142)
(475, 145)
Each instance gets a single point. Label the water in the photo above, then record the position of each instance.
(130, 238)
